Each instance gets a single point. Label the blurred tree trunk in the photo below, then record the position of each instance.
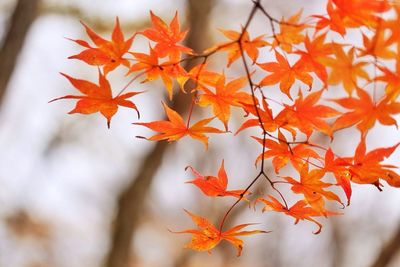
(24, 14)
(338, 243)
(388, 251)
(130, 202)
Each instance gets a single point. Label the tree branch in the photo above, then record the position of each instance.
(389, 251)
(97, 23)
(24, 14)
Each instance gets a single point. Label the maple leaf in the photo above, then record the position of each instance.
(203, 77)
(316, 50)
(98, 98)
(343, 68)
(393, 27)
(215, 186)
(313, 189)
(207, 236)
(250, 47)
(299, 211)
(175, 128)
(285, 74)
(167, 37)
(290, 33)
(366, 112)
(108, 54)
(305, 115)
(368, 169)
(339, 167)
(266, 117)
(334, 22)
(358, 13)
(283, 153)
(225, 96)
(377, 46)
(168, 70)
(392, 80)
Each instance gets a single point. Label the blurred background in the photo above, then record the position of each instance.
(73, 193)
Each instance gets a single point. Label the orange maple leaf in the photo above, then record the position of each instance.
(334, 22)
(366, 112)
(306, 116)
(283, 153)
(203, 77)
(250, 47)
(299, 211)
(316, 50)
(393, 26)
(290, 33)
(343, 68)
(108, 54)
(368, 169)
(167, 37)
(392, 80)
(378, 45)
(358, 13)
(207, 236)
(98, 98)
(225, 96)
(285, 74)
(167, 70)
(175, 128)
(215, 186)
(313, 189)
(339, 167)
(266, 117)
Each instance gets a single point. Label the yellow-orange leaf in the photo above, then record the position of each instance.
(167, 70)
(250, 47)
(377, 46)
(203, 77)
(313, 189)
(344, 69)
(207, 236)
(167, 38)
(291, 33)
(392, 80)
(225, 96)
(175, 128)
(299, 211)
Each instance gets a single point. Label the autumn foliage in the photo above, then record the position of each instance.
(313, 55)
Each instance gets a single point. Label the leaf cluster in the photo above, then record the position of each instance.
(313, 55)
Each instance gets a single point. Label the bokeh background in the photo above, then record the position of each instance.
(73, 193)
